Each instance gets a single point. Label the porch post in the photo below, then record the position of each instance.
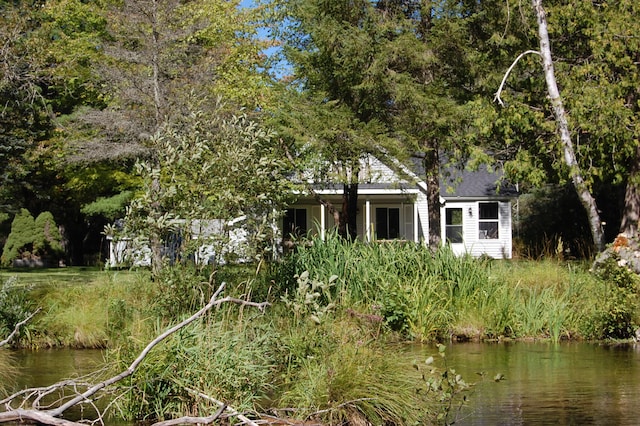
(322, 221)
(416, 228)
(367, 225)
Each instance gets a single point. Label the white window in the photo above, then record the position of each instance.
(387, 223)
(488, 221)
(453, 225)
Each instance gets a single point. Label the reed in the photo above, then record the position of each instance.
(346, 380)
(8, 372)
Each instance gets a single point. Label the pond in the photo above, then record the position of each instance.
(544, 383)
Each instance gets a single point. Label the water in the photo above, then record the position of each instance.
(545, 383)
(46, 367)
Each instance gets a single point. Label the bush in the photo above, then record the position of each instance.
(617, 317)
(32, 240)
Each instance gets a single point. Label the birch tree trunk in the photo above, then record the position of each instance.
(582, 189)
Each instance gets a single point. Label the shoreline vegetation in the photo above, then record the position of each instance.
(337, 311)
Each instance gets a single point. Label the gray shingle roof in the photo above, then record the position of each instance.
(475, 183)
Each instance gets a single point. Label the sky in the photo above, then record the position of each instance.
(281, 69)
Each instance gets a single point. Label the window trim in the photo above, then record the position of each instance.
(486, 234)
(459, 227)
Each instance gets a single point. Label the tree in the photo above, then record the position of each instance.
(163, 54)
(210, 168)
(375, 67)
(593, 57)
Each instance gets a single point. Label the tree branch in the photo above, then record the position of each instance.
(193, 420)
(17, 327)
(506, 75)
(224, 406)
(51, 416)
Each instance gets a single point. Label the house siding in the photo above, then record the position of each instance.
(472, 244)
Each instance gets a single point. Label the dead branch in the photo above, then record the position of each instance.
(193, 420)
(221, 404)
(506, 75)
(51, 416)
(17, 327)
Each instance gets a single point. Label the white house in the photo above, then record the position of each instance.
(392, 205)
(476, 214)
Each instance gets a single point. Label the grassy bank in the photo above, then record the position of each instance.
(330, 344)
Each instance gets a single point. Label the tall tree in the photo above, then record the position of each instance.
(378, 63)
(163, 55)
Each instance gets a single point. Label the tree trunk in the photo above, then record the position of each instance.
(348, 217)
(631, 211)
(432, 168)
(582, 189)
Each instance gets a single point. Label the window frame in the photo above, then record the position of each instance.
(454, 229)
(489, 220)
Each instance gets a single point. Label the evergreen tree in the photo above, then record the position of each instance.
(383, 70)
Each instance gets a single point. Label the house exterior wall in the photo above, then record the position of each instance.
(473, 241)
(412, 208)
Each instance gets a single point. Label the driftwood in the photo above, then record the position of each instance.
(50, 415)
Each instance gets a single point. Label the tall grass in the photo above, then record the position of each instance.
(340, 377)
(428, 295)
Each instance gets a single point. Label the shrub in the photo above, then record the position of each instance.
(20, 239)
(617, 315)
(32, 239)
(48, 240)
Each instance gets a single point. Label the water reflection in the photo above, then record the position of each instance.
(545, 383)
(45, 367)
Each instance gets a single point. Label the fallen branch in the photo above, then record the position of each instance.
(221, 404)
(51, 416)
(193, 420)
(17, 327)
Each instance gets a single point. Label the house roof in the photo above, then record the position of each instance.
(482, 182)
(468, 183)
(454, 182)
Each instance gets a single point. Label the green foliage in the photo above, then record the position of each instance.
(211, 168)
(448, 388)
(426, 296)
(232, 363)
(48, 239)
(312, 299)
(339, 376)
(549, 217)
(21, 238)
(618, 314)
(181, 289)
(111, 208)
(15, 306)
(32, 239)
